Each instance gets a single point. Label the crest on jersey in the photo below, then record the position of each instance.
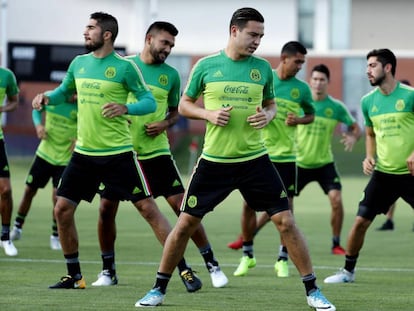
(163, 80)
(110, 72)
(294, 93)
(400, 105)
(255, 75)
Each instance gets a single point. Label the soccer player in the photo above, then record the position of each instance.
(10, 90)
(314, 159)
(292, 96)
(389, 125)
(58, 136)
(149, 134)
(237, 89)
(103, 154)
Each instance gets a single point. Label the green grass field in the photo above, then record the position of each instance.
(384, 278)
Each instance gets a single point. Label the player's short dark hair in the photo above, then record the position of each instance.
(294, 47)
(322, 68)
(107, 22)
(384, 56)
(243, 15)
(162, 26)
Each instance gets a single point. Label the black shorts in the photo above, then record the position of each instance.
(383, 190)
(4, 163)
(162, 176)
(41, 171)
(327, 177)
(287, 172)
(257, 180)
(120, 173)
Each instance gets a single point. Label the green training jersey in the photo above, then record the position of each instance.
(165, 85)
(241, 84)
(60, 126)
(314, 148)
(8, 87)
(392, 119)
(291, 95)
(98, 81)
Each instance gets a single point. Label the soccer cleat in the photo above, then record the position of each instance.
(15, 234)
(218, 278)
(9, 248)
(152, 299)
(388, 225)
(236, 244)
(68, 282)
(342, 276)
(190, 280)
(282, 268)
(319, 302)
(338, 250)
(246, 263)
(55, 243)
(105, 278)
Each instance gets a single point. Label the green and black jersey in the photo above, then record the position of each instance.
(8, 87)
(314, 140)
(392, 119)
(98, 81)
(165, 85)
(243, 85)
(291, 96)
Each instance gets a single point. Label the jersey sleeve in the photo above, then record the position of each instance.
(174, 94)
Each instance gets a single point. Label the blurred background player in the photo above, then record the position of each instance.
(314, 158)
(9, 90)
(58, 136)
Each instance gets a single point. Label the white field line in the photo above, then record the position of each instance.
(148, 263)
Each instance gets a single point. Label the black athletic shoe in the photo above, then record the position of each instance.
(190, 280)
(68, 282)
(387, 225)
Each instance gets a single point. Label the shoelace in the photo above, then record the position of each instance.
(188, 276)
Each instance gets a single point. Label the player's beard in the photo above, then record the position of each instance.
(159, 57)
(93, 46)
(378, 81)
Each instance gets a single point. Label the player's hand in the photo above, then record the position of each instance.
(39, 101)
(348, 140)
(112, 110)
(368, 166)
(261, 118)
(291, 119)
(219, 117)
(410, 163)
(41, 131)
(156, 128)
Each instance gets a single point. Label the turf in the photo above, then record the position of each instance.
(383, 282)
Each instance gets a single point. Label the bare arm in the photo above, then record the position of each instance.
(293, 120)
(410, 163)
(351, 137)
(156, 128)
(263, 114)
(368, 164)
(12, 103)
(189, 109)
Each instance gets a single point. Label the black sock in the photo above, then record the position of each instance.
(350, 263)
(19, 221)
(283, 253)
(248, 249)
(162, 282)
(182, 265)
(108, 262)
(208, 256)
(310, 283)
(73, 265)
